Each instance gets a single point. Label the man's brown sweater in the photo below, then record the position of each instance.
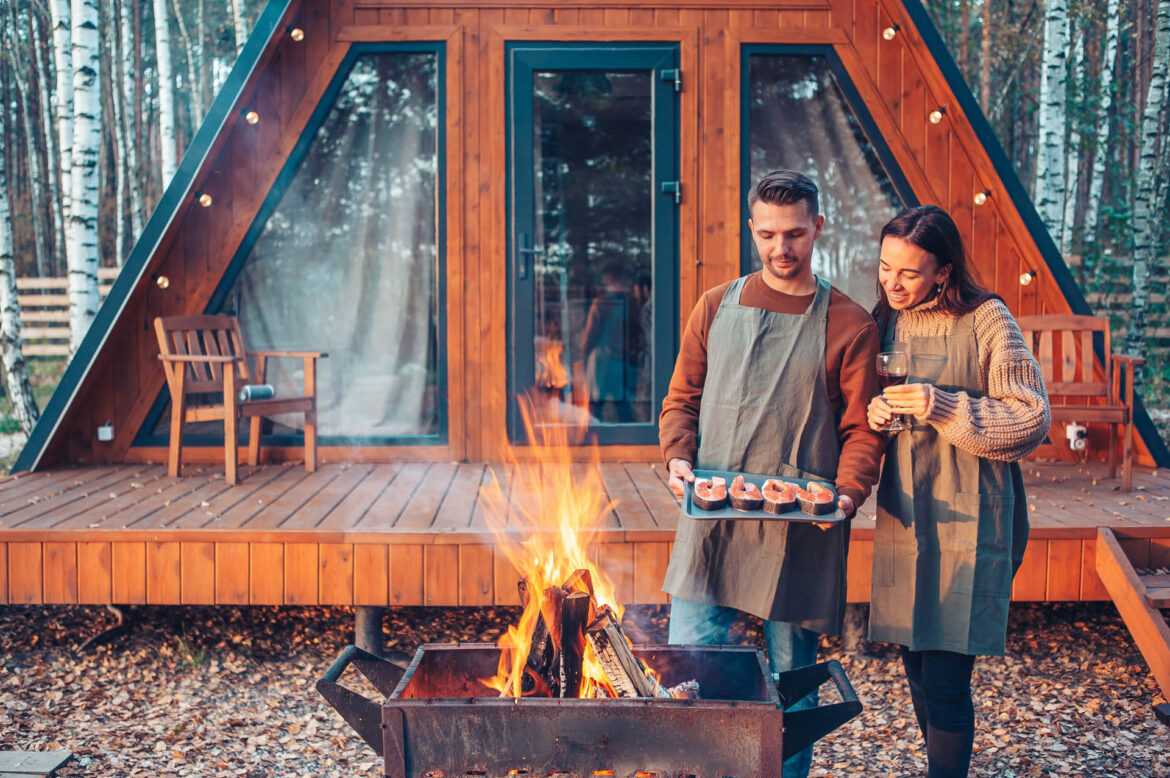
(851, 342)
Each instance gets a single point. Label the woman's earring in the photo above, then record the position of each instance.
(938, 288)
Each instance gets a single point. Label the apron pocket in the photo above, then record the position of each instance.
(992, 561)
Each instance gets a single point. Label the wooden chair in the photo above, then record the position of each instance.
(204, 355)
(1063, 345)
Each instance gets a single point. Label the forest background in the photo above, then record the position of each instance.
(98, 101)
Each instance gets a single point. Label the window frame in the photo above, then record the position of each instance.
(288, 172)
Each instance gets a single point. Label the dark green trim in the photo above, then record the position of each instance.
(1022, 202)
(522, 60)
(220, 113)
(146, 436)
(853, 101)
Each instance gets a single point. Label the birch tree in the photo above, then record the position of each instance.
(53, 177)
(985, 57)
(166, 92)
(126, 81)
(1073, 149)
(1050, 158)
(63, 95)
(121, 142)
(17, 56)
(240, 23)
(1104, 103)
(1148, 201)
(83, 217)
(19, 388)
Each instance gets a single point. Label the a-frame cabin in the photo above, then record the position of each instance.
(460, 199)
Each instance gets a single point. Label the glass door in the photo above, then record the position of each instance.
(593, 226)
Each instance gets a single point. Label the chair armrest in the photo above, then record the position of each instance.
(1128, 360)
(293, 354)
(198, 358)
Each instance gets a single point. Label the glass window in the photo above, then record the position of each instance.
(798, 119)
(349, 260)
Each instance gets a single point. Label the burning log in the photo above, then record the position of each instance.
(541, 654)
(627, 673)
(574, 618)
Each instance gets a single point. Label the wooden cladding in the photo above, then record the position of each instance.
(944, 163)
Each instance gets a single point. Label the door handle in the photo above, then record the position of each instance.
(523, 253)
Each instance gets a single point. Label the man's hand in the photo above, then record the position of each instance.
(912, 399)
(844, 511)
(878, 414)
(680, 472)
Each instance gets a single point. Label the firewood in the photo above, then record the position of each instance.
(628, 674)
(580, 581)
(574, 618)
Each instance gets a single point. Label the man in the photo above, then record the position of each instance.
(774, 375)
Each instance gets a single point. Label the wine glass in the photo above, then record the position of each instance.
(893, 366)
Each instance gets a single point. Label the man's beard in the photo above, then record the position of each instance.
(784, 274)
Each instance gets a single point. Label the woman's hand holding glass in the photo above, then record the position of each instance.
(908, 400)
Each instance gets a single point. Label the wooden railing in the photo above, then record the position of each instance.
(44, 312)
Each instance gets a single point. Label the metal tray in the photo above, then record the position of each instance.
(695, 512)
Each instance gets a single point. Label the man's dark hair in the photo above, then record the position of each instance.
(785, 187)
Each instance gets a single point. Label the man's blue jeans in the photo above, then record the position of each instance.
(789, 646)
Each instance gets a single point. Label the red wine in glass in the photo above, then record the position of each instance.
(893, 367)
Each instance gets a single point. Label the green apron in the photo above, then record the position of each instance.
(951, 526)
(765, 409)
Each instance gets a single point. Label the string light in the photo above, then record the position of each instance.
(161, 281)
(297, 34)
(890, 32)
(981, 197)
(1027, 277)
(251, 117)
(936, 116)
(204, 199)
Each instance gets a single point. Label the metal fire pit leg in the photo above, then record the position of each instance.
(802, 728)
(363, 714)
(367, 628)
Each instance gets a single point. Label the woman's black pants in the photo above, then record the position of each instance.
(940, 688)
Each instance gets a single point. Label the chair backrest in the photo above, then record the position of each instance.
(211, 336)
(1063, 345)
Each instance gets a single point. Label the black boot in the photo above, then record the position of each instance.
(948, 753)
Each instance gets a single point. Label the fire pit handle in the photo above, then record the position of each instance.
(362, 713)
(802, 728)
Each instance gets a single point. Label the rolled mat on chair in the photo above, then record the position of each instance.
(256, 392)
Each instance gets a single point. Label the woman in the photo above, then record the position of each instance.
(952, 518)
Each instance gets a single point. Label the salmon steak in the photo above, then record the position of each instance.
(779, 496)
(710, 494)
(745, 496)
(816, 499)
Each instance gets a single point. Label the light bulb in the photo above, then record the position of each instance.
(936, 116)
(1027, 277)
(297, 34)
(981, 197)
(251, 117)
(205, 199)
(162, 281)
(890, 32)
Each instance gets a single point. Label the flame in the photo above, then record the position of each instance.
(550, 369)
(544, 528)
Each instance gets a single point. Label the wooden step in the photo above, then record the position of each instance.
(1128, 592)
(1157, 590)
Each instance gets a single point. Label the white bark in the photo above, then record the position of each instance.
(1072, 163)
(1105, 100)
(118, 108)
(18, 62)
(1050, 159)
(129, 69)
(53, 174)
(63, 99)
(194, 85)
(166, 92)
(83, 218)
(240, 22)
(1148, 192)
(19, 388)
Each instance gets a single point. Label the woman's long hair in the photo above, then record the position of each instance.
(932, 229)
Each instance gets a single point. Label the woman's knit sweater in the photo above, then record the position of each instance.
(1012, 418)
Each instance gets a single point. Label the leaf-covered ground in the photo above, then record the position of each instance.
(226, 691)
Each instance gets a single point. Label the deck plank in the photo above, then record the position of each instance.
(497, 479)
(284, 506)
(78, 497)
(327, 497)
(210, 515)
(628, 505)
(384, 513)
(662, 504)
(260, 500)
(458, 505)
(352, 510)
(424, 503)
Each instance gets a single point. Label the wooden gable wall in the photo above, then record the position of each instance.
(898, 80)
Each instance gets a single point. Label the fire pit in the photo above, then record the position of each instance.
(437, 720)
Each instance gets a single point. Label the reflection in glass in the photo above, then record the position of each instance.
(593, 296)
(347, 263)
(799, 120)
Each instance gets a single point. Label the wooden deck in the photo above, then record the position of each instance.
(413, 534)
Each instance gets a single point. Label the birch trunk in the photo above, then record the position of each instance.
(18, 62)
(193, 88)
(1104, 103)
(985, 57)
(63, 97)
(19, 389)
(83, 218)
(166, 92)
(1050, 158)
(126, 84)
(1072, 163)
(240, 22)
(53, 160)
(1147, 207)
(110, 30)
